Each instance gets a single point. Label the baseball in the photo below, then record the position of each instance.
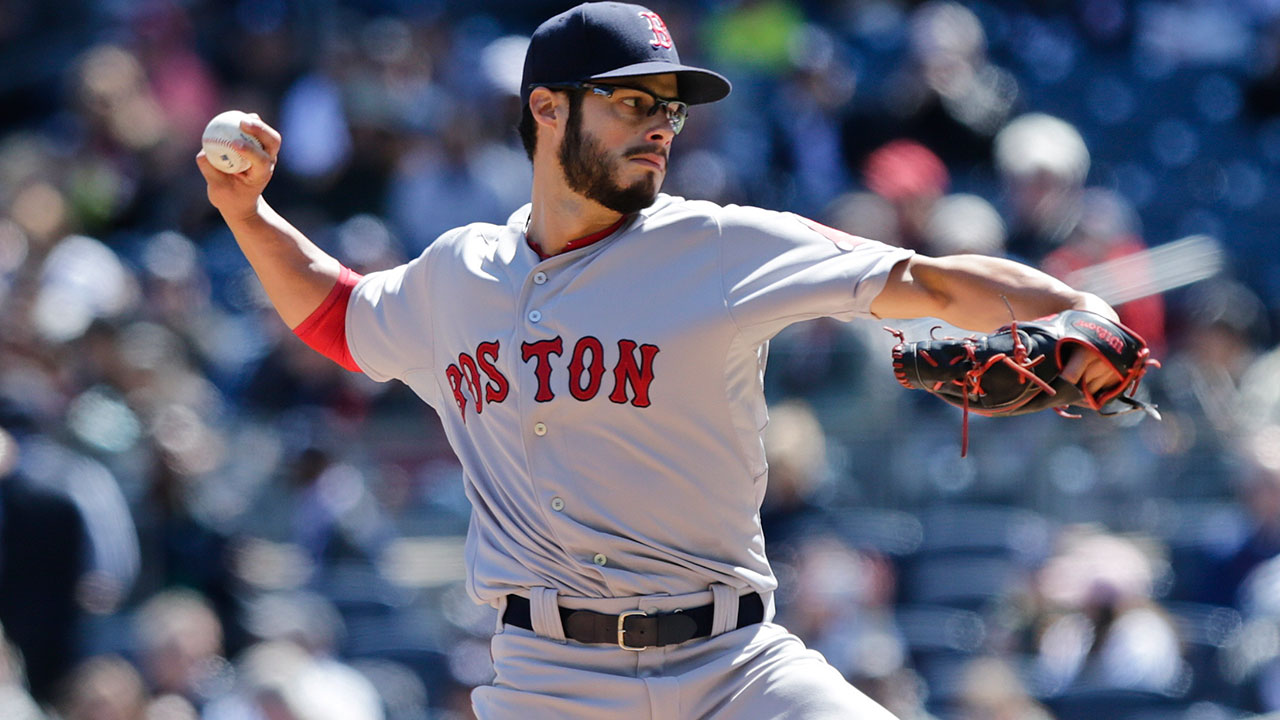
(221, 131)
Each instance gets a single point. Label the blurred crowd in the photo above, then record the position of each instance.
(202, 519)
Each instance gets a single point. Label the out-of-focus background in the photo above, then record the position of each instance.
(201, 518)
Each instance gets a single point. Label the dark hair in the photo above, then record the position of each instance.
(529, 129)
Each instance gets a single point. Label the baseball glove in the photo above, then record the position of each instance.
(1018, 369)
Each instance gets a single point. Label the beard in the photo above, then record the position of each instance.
(586, 165)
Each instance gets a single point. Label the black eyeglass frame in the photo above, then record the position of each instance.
(677, 111)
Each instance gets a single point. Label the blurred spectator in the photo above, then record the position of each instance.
(1098, 624)
(821, 361)
(438, 186)
(1260, 406)
(44, 549)
(1108, 229)
(1262, 95)
(15, 702)
(1258, 489)
(109, 688)
(314, 118)
(797, 452)
(324, 687)
(806, 113)
(278, 679)
(843, 607)
(912, 179)
(865, 214)
(180, 647)
(990, 689)
(334, 516)
(105, 688)
(1254, 656)
(964, 223)
(1043, 162)
(1223, 325)
(181, 81)
(949, 96)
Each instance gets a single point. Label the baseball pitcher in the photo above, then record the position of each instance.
(597, 364)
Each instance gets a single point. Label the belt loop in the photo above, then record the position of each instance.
(725, 616)
(502, 610)
(545, 613)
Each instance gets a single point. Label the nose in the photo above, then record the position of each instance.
(660, 130)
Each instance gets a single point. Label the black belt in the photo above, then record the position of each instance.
(635, 629)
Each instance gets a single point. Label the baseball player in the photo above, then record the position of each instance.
(597, 365)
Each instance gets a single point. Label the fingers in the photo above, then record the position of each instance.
(212, 175)
(264, 133)
(1089, 372)
(206, 169)
(261, 164)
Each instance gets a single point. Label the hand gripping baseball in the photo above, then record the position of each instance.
(236, 194)
(1019, 368)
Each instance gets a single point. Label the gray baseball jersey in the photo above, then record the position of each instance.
(606, 404)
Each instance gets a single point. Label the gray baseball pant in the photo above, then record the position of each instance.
(760, 672)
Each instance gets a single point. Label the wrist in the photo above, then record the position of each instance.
(241, 215)
(1093, 303)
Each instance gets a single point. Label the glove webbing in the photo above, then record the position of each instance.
(971, 381)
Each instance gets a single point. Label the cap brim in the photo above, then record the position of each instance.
(697, 86)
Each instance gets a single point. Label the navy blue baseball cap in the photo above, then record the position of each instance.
(602, 40)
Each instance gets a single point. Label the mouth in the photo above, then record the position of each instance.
(650, 160)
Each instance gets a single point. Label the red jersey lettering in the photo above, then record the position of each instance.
(454, 375)
(497, 388)
(542, 350)
(595, 372)
(471, 374)
(637, 374)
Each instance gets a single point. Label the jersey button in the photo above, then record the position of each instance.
(539, 429)
(534, 316)
(539, 277)
(557, 504)
(600, 559)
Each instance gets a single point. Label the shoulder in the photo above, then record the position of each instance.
(479, 237)
(672, 209)
(741, 223)
(466, 239)
(730, 218)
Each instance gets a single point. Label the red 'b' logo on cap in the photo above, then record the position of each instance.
(661, 38)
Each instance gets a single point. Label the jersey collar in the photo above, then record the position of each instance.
(581, 242)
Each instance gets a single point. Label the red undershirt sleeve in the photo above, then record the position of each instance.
(325, 329)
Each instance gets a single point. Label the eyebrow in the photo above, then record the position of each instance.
(642, 88)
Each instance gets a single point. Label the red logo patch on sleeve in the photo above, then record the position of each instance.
(661, 38)
(842, 240)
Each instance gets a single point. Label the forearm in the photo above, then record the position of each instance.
(296, 274)
(970, 292)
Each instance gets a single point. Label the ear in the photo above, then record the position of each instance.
(548, 108)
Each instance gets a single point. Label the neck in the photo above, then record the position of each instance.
(559, 215)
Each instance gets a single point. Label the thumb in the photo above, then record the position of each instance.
(211, 174)
(1073, 371)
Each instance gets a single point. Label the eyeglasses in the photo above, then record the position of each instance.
(637, 99)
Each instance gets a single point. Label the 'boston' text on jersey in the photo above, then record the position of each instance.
(632, 374)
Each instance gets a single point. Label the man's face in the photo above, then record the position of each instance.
(614, 155)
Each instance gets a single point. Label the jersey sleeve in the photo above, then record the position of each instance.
(780, 268)
(388, 325)
(325, 329)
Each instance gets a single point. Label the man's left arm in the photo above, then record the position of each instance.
(970, 292)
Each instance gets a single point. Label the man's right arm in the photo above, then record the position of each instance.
(296, 274)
